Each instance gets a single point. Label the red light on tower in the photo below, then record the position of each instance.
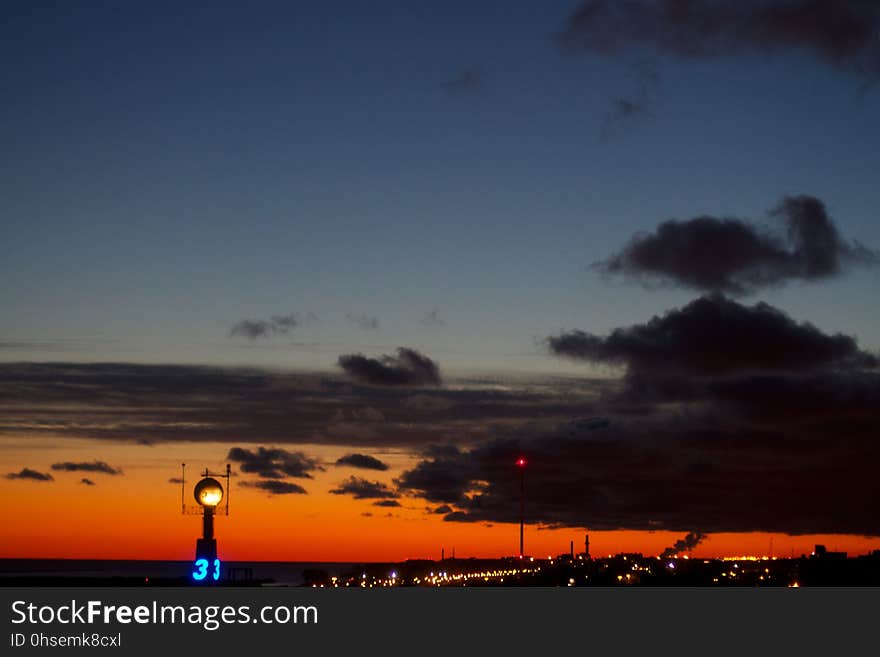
(521, 464)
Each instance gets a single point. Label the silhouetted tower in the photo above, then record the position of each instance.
(586, 546)
(208, 493)
(521, 462)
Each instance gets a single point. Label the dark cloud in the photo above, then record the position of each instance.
(54, 345)
(409, 367)
(27, 473)
(737, 257)
(671, 473)
(156, 404)
(362, 489)
(364, 461)
(273, 462)
(716, 336)
(437, 478)
(468, 80)
(388, 503)
(686, 544)
(443, 509)
(254, 329)
(275, 487)
(93, 466)
(363, 322)
(840, 33)
(720, 448)
(730, 418)
(175, 480)
(86, 482)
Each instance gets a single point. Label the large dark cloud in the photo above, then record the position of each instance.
(663, 474)
(275, 487)
(364, 461)
(363, 489)
(93, 466)
(27, 473)
(408, 368)
(732, 449)
(730, 418)
(156, 404)
(273, 462)
(716, 336)
(738, 257)
(841, 33)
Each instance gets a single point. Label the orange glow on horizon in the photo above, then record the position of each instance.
(137, 516)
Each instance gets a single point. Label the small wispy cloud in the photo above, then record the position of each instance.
(363, 461)
(93, 466)
(33, 475)
(275, 487)
(363, 489)
(254, 329)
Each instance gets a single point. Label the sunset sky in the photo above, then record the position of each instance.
(634, 243)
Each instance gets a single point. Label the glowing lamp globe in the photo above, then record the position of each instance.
(208, 492)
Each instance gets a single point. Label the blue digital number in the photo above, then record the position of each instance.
(216, 573)
(201, 569)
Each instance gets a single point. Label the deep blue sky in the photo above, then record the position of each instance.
(170, 169)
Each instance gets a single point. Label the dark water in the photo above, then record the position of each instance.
(280, 573)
